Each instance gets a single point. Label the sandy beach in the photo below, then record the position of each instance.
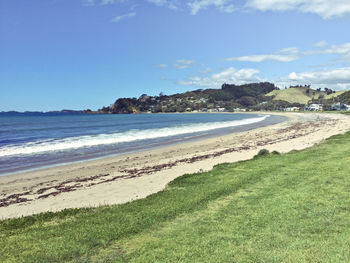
(120, 179)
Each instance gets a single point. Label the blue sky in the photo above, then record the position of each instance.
(79, 54)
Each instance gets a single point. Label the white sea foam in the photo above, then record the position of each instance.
(121, 137)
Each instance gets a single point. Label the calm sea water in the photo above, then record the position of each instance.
(32, 141)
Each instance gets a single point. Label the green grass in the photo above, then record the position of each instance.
(277, 208)
(299, 95)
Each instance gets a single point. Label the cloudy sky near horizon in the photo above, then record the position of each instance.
(79, 54)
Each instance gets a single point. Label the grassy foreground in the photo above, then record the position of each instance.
(280, 208)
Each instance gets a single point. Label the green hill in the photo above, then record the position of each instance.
(299, 94)
(253, 96)
(334, 95)
(344, 97)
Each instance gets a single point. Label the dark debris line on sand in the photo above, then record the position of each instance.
(78, 183)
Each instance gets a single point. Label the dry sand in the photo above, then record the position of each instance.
(120, 179)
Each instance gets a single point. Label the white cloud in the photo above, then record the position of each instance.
(194, 5)
(172, 4)
(321, 44)
(161, 65)
(292, 53)
(261, 58)
(158, 2)
(222, 5)
(88, 2)
(183, 63)
(102, 2)
(121, 17)
(334, 78)
(106, 2)
(167, 3)
(284, 55)
(324, 8)
(205, 71)
(180, 66)
(229, 75)
(342, 50)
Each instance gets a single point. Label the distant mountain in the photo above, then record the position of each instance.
(36, 113)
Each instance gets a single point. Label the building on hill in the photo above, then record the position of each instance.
(239, 110)
(340, 107)
(290, 109)
(222, 110)
(314, 107)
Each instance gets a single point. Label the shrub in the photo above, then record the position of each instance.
(262, 152)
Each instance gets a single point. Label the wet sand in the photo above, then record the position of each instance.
(120, 179)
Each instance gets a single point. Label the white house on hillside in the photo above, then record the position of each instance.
(314, 107)
(290, 109)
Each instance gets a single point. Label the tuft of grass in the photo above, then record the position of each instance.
(285, 208)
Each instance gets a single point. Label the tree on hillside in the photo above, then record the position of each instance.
(251, 90)
(221, 95)
(247, 101)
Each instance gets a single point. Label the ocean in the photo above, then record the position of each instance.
(33, 141)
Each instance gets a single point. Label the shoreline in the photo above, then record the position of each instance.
(210, 133)
(123, 178)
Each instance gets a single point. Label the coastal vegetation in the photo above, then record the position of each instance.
(254, 96)
(344, 97)
(229, 97)
(274, 208)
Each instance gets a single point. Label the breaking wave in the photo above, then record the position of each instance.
(70, 143)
